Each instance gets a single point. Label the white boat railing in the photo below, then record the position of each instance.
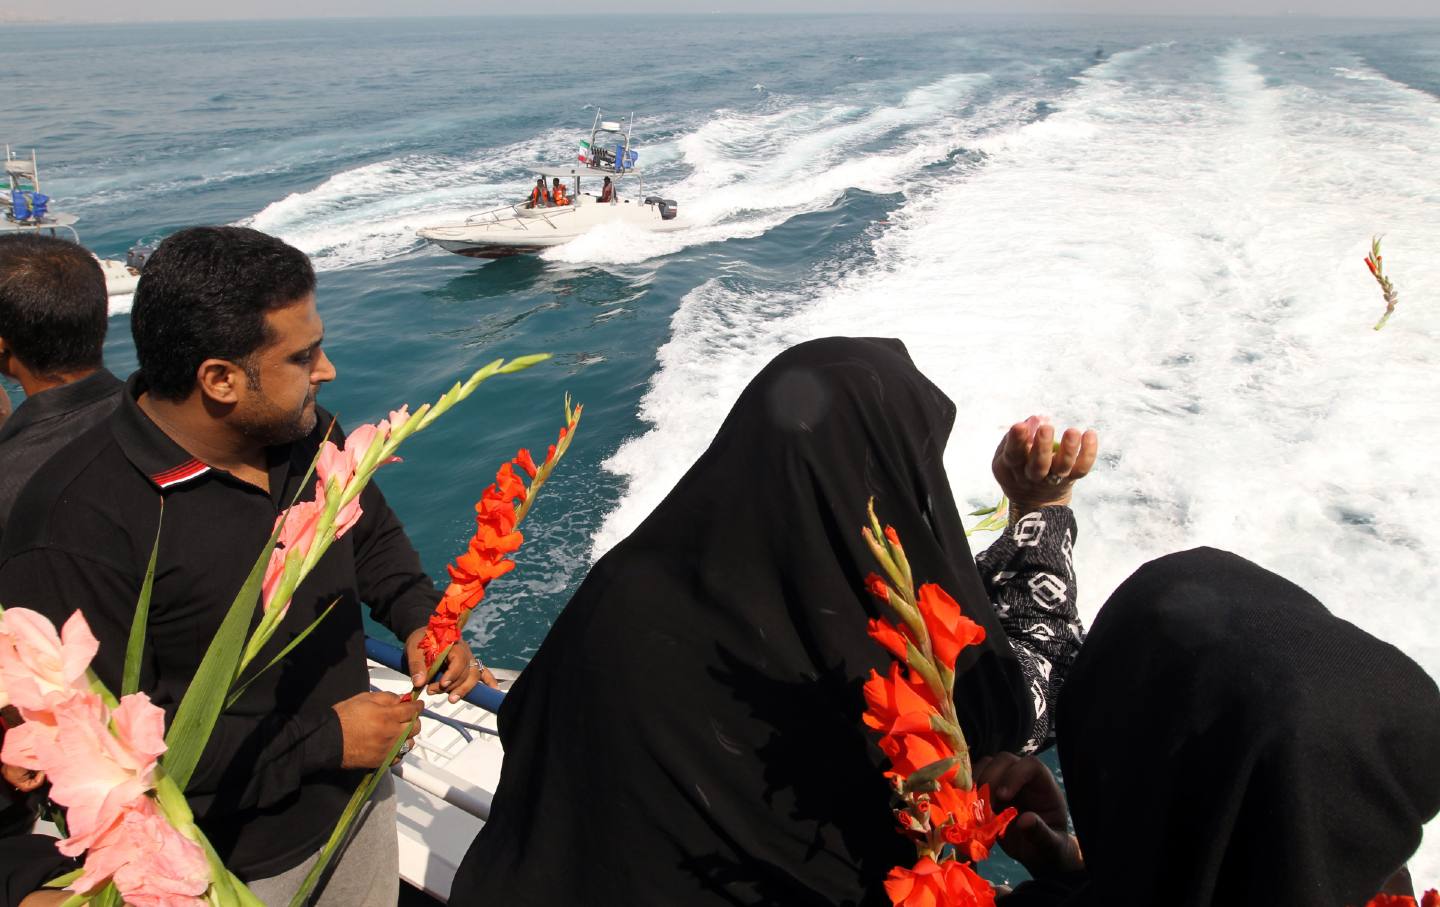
(514, 217)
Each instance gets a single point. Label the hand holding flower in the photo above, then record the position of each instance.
(461, 672)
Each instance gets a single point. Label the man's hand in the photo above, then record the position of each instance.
(459, 675)
(1032, 472)
(1038, 838)
(369, 724)
(22, 779)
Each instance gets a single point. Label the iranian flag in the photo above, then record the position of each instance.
(584, 152)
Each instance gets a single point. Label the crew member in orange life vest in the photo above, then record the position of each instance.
(539, 196)
(557, 193)
(607, 192)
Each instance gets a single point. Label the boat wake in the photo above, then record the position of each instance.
(735, 175)
(1179, 248)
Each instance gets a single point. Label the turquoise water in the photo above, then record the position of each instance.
(1150, 225)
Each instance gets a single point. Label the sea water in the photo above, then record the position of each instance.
(1151, 226)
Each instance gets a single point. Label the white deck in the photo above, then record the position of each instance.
(443, 788)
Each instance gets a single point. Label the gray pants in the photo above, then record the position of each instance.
(367, 872)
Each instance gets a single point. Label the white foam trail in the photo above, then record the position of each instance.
(736, 175)
(1175, 258)
(121, 304)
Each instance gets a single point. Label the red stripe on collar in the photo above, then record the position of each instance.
(182, 473)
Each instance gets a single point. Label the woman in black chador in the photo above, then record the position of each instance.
(1227, 741)
(689, 733)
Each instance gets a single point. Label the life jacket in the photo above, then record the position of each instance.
(539, 197)
(559, 195)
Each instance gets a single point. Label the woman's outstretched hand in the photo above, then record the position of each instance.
(1033, 472)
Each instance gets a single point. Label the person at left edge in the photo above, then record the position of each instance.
(221, 423)
(52, 331)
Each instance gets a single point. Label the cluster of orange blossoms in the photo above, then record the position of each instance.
(1431, 899)
(497, 514)
(913, 708)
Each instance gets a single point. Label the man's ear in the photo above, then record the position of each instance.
(7, 357)
(221, 380)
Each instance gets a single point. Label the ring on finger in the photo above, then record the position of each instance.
(407, 746)
(1054, 479)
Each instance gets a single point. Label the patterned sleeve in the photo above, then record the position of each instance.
(1029, 573)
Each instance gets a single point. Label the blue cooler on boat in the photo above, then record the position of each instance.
(27, 206)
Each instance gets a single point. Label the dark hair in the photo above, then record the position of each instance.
(52, 304)
(204, 295)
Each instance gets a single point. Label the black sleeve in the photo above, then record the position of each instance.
(387, 567)
(27, 862)
(271, 753)
(1030, 575)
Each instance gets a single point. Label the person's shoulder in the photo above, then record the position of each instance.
(82, 485)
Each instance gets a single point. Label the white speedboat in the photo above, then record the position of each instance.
(536, 224)
(25, 209)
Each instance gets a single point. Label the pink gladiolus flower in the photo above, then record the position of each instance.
(151, 863)
(39, 667)
(298, 534)
(399, 417)
(95, 774)
(29, 745)
(334, 463)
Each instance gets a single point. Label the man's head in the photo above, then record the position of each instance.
(557, 182)
(52, 308)
(228, 314)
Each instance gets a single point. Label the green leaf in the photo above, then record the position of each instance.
(238, 691)
(205, 697)
(358, 799)
(66, 879)
(135, 646)
(930, 774)
(520, 363)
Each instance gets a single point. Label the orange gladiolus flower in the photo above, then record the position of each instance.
(889, 636)
(950, 631)
(898, 704)
(931, 884)
(974, 826)
(878, 587)
(1430, 899)
(526, 462)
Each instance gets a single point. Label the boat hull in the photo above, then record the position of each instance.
(526, 231)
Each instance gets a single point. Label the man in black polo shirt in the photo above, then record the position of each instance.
(52, 329)
(221, 423)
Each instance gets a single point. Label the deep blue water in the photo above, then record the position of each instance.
(1151, 225)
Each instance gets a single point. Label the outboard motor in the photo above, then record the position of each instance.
(668, 207)
(138, 257)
